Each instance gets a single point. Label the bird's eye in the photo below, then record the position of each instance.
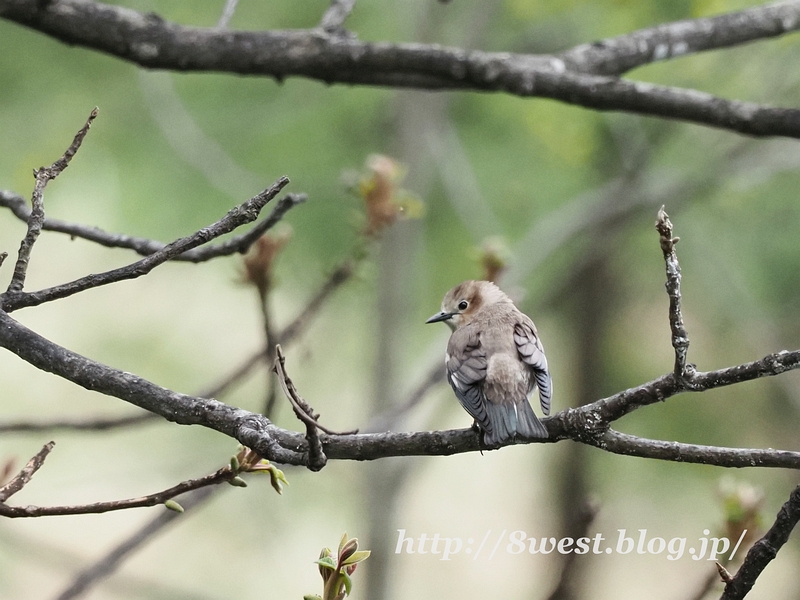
(463, 305)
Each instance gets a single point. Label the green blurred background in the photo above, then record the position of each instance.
(573, 195)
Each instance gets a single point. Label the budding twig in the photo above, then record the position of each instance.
(226, 473)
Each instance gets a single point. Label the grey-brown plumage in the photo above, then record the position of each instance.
(494, 361)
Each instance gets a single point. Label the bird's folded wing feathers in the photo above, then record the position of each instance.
(466, 370)
(531, 352)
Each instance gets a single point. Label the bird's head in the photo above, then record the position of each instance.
(462, 303)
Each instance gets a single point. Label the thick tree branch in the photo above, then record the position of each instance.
(765, 549)
(244, 213)
(587, 424)
(36, 217)
(151, 42)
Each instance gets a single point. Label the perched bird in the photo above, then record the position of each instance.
(494, 361)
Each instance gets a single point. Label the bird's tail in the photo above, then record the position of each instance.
(509, 421)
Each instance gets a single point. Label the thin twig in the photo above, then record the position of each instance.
(146, 247)
(244, 213)
(680, 338)
(3, 257)
(227, 14)
(24, 476)
(334, 18)
(111, 562)
(222, 475)
(340, 275)
(293, 330)
(43, 176)
(316, 455)
(93, 424)
(765, 549)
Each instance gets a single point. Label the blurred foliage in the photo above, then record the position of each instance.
(172, 152)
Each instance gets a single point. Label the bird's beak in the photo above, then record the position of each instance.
(440, 316)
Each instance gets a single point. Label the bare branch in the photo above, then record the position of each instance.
(152, 42)
(244, 213)
(587, 424)
(295, 328)
(93, 424)
(43, 176)
(306, 414)
(24, 476)
(631, 445)
(615, 56)
(765, 549)
(146, 247)
(110, 562)
(222, 475)
(339, 276)
(680, 338)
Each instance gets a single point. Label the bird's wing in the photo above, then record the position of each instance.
(466, 370)
(531, 352)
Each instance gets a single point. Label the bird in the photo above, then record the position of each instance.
(494, 361)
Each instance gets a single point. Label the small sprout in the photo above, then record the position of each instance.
(336, 573)
(249, 461)
(384, 200)
(237, 482)
(172, 505)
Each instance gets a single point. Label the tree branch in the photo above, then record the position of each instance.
(152, 42)
(36, 217)
(220, 476)
(24, 476)
(618, 55)
(334, 18)
(765, 549)
(94, 424)
(146, 247)
(109, 563)
(244, 213)
(680, 338)
(587, 424)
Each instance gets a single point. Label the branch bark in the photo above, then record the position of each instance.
(765, 549)
(236, 217)
(151, 42)
(587, 424)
